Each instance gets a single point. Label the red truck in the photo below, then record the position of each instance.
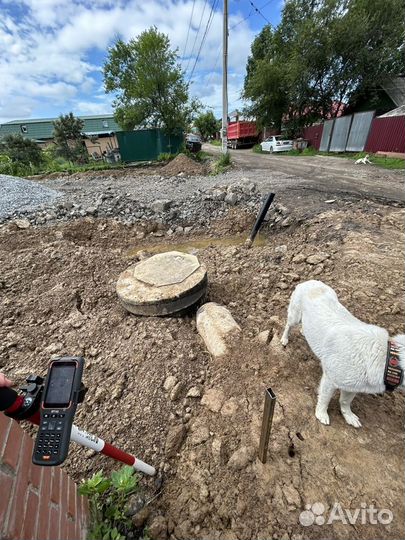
(242, 133)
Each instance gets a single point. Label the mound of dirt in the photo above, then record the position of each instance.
(183, 164)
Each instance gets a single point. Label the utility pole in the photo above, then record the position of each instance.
(225, 81)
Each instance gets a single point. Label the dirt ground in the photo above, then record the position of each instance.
(57, 288)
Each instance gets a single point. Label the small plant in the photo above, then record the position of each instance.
(108, 500)
(222, 163)
(166, 156)
(216, 142)
(309, 151)
(257, 149)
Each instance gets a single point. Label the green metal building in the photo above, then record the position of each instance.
(41, 129)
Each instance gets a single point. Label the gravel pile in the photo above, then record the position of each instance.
(171, 202)
(18, 195)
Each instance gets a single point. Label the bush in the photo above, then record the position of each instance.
(108, 501)
(216, 142)
(166, 156)
(309, 151)
(257, 149)
(222, 163)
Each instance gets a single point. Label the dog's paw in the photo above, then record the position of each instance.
(352, 420)
(323, 417)
(284, 341)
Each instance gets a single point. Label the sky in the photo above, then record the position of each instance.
(52, 51)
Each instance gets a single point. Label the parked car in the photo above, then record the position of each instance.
(193, 142)
(276, 143)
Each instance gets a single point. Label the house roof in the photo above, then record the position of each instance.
(399, 111)
(42, 128)
(395, 88)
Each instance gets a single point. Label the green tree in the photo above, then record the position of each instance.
(22, 150)
(207, 124)
(323, 52)
(149, 84)
(68, 137)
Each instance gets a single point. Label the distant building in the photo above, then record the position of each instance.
(98, 132)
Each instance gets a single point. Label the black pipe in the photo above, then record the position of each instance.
(7, 397)
(260, 217)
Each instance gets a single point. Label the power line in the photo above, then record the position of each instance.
(189, 26)
(258, 11)
(207, 27)
(196, 36)
(231, 28)
(251, 13)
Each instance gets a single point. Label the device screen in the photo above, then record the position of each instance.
(60, 385)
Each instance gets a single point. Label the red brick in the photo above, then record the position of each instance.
(5, 424)
(31, 517)
(63, 533)
(85, 506)
(44, 505)
(13, 445)
(53, 526)
(83, 514)
(55, 490)
(6, 484)
(19, 495)
(35, 474)
(72, 499)
(72, 530)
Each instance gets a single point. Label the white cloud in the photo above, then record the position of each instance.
(46, 56)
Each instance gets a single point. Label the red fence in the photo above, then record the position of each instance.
(313, 135)
(387, 135)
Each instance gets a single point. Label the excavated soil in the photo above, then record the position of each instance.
(182, 164)
(58, 297)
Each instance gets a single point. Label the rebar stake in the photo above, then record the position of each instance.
(269, 403)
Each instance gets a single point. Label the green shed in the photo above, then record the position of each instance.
(147, 144)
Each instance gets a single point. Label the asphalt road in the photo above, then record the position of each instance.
(334, 176)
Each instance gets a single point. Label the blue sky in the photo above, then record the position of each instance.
(51, 51)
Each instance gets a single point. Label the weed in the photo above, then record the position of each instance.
(108, 499)
(216, 142)
(165, 156)
(222, 164)
(257, 149)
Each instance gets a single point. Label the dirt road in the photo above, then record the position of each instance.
(323, 174)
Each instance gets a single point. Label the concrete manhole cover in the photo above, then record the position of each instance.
(166, 268)
(163, 284)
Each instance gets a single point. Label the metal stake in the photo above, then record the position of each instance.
(269, 402)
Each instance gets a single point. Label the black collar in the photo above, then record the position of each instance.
(393, 374)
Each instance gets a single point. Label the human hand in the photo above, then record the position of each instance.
(4, 381)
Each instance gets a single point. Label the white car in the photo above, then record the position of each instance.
(276, 143)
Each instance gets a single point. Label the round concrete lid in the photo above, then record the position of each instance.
(163, 284)
(166, 268)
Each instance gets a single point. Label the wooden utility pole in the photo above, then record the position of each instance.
(225, 81)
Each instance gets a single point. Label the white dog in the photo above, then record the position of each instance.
(353, 354)
(363, 161)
